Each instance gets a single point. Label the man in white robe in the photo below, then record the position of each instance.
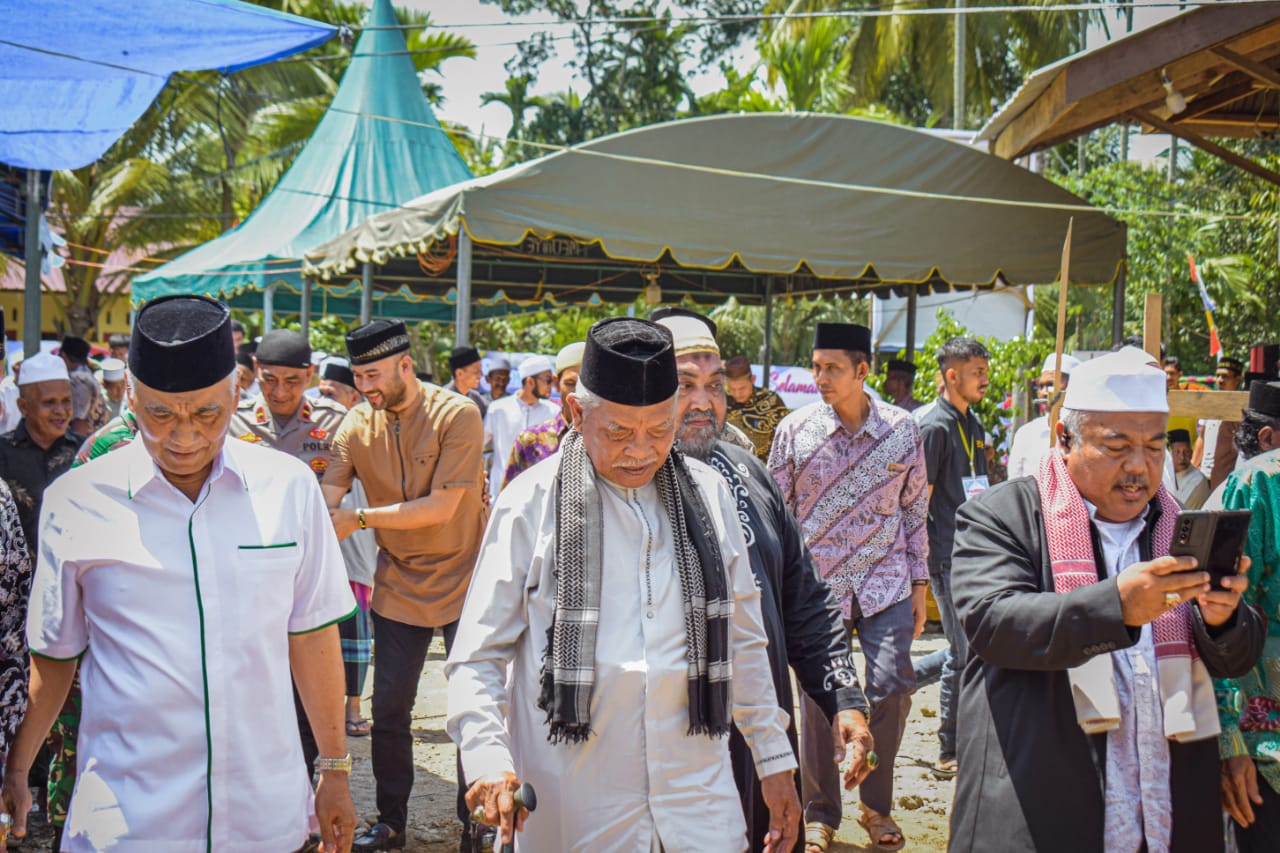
(642, 767)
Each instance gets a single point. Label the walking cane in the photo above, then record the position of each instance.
(525, 798)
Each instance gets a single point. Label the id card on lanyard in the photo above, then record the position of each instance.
(974, 484)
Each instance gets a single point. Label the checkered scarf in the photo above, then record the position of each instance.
(568, 664)
(1186, 690)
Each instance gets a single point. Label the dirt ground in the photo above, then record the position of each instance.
(923, 801)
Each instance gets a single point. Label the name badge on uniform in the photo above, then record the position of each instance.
(974, 486)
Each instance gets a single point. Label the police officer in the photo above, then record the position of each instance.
(280, 415)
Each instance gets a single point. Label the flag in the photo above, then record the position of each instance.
(1215, 346)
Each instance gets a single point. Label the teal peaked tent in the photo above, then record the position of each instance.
(353, 166)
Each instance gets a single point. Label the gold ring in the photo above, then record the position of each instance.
(1172, 599)
(873, 760)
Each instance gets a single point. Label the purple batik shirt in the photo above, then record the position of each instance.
(861, 500)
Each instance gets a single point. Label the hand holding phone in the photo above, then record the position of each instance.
(1215, 538)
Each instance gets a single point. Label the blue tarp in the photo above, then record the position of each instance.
(377, 146)
(75, 75)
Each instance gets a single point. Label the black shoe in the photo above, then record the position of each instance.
(378, 837)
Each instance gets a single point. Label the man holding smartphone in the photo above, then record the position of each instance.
(1089, 714)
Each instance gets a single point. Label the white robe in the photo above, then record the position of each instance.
(640, 780)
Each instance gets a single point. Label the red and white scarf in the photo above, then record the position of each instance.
(1186, 690)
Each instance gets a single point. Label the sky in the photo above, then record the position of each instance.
(496, 38)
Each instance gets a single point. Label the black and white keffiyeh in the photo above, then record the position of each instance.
(568, 666)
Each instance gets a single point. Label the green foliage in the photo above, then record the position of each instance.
(741, 327)
(633, 69)
(1234, 244)
(1013, 363)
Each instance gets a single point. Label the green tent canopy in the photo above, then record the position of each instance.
(353, 166)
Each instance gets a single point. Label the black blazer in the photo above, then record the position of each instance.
(1030, 778)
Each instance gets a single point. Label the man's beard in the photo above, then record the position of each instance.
(393, 395)
(699, 442)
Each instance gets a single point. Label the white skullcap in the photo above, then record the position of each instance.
(112, 369)
(1138, 355)
(318, 357)
(570, 356)
(1117, 382)
(533, 365)
(1069, 363)
(43, 367)
(496, 362)
(691, 335)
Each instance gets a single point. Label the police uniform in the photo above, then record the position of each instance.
(308, 435)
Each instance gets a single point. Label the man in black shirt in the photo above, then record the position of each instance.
(956, 458)
(40, 448)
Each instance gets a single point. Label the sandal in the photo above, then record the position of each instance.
(817, 837)
(946, 768)
(878, 826)
(359, 728)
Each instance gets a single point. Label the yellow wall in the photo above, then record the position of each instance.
(114, 317)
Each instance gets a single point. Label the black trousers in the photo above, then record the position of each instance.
(399, 653)
(1264, 835)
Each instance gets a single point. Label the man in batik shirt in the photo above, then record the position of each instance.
(755, 411)
(852, 469)
(534, 445)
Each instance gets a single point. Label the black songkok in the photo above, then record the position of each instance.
(76, 348)
(118, 339)
(845, 336)
(738, 367)
(377, 340)
(1264, 398)
(336, 371)
(1179, 435)
(244, 354)
(630, 362)
(897, 365)
(675, 311)
(284, 348)
(1233, 364)
(182, 343)
(462, 357)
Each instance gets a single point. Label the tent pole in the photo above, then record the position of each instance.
(462, 326)
(366, 293)
(31, 256)
(1117, 307)
(304, 311)
(268, 308)
(768, 332)
(912, 308)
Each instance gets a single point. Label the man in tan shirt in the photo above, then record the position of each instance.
(417, 450)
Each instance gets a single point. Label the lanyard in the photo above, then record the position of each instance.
(968, 446)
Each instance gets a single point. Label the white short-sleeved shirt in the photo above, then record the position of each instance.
(182, 612)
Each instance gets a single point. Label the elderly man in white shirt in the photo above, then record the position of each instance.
(509, 416)
(179, 571)
(612, 607)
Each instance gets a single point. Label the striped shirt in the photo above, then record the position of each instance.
(861, 500)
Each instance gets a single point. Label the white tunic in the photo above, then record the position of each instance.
(1030, 444)
(640, 780)
(182, 612)
(505, 419)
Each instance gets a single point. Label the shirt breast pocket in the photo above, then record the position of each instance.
(266, 572)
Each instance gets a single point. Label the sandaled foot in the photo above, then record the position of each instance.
(359, 728)
(946, 768)
(817, 837)
(883, 831)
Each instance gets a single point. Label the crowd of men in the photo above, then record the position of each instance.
(207, 543)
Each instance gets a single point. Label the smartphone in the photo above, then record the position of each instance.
(1214, 537)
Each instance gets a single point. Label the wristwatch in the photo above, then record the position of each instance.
(360, 519)
(341, 765)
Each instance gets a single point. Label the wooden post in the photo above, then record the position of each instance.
(1064, 276)
(1152, 314)
(1201, 405)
